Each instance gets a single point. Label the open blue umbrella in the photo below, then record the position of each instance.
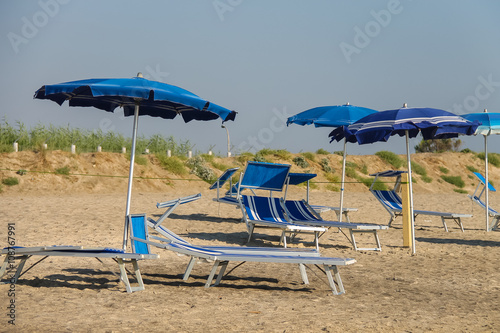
(332, 116)
(137, 96)
(490, 124)
(408, 122)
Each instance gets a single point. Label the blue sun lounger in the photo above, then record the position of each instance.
(230, 196)
(141, 242)
(392, 202)
(477, 199)
(298, 211)
(22, 254)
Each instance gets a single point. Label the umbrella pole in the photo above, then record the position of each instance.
(130, 175)
(408, 159)
(342, 182)
(487, 182)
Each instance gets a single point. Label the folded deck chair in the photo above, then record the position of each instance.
(266, 212)
(24, 253)
(298, 211)
(299, 178)
(393, 204)
(477, 199)
(230, 195)
(221, 258)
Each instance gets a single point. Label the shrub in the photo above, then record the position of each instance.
(10, 181)
(260, 158)
(426, 179)
(199, 168)
(310, 156)
(325, 165)
(63, 171)
(418, 169)
(471, 168)
(438, 145)
(459, 190)
(321, 151)
(300, 161)
(140, 160)
(378, 186)
(266, 151)
(466, 151)
(244, 157)
(333, 188)
(339, 152)
(454, 180)
(283, 154)
(391, 158)
(364, 169)
(443, 170)
(172, 164)
(493, 158)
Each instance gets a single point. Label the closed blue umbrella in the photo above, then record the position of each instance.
(137, 96)
(490, 124)
(408, 122)
(332, 116)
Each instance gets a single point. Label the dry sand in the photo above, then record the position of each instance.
(452, 284)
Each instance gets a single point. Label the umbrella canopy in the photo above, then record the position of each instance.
(490, 124)
(153, 98)
(380, 126)
(332, 116)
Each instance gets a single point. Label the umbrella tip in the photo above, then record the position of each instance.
(139, 75)
(405, 105)
(347, 103)
(485, 110)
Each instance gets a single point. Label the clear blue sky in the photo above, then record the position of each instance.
(265, 59)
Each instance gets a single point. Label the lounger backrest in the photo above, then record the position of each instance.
(138, 229)
(170, 235)
(263, 208)
(483, 204)
(223, 178)
(389, 199)
(297, 210)
(265, 176)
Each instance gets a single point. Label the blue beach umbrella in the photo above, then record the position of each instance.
(408, 122)
(490, 124)
(137, 96)
(332, 116)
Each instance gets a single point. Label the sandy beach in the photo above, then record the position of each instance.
(450, 285)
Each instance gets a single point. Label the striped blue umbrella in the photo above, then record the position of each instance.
(408, 122)
(332, 116)
(490, 124)
(137, 96)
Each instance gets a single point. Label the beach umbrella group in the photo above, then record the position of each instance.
(137, 96)
(408, 122)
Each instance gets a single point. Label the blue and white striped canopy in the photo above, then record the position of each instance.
(490, 122)
(156, 99)
(380, 126)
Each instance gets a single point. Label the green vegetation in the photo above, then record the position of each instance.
(364, 169)
(244, 157)
(321, 151)
(391, 158)
(427, 179)
(443, 170)
(283, 154)
(10, 181)
(172, 164)
(438, 146)
(459, 190)
(199, 168)
(325, 165)
(63, 171)
(339, 152)
(300, 161)
(310, 156)
(418, 169)
(454, 180)
(493, 158)
(21, 172)
(471, 168)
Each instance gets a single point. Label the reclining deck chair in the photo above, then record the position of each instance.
(299, 178)
(230, 195)
(392, 202)
(25, 253)
(141, 240)
(299, 211)
(477, 199)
